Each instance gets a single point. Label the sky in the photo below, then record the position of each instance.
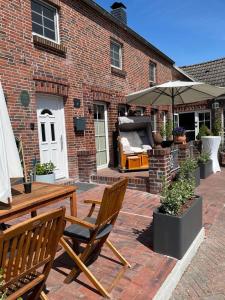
(188, 31)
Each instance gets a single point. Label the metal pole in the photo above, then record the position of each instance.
(173, 98)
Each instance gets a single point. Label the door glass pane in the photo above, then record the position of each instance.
(101, 128)
(103, 158)
(43, 134)
(101, 112)
(53, 132)
(95, 112)
(102, 143)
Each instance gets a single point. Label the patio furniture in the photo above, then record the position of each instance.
(210, 144)
(94, 233)
(42, 195)
(27, 247)
(134, 140)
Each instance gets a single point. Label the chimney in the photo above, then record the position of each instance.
(119, 12)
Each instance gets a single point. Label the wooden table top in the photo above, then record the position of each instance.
(41, 194)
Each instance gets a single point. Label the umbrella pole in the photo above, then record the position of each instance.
(173, 111)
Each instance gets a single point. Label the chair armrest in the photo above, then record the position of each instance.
(75, 220)
(93, 201)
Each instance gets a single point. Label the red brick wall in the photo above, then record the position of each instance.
(84, 70)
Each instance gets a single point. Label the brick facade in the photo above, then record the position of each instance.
(77, 68)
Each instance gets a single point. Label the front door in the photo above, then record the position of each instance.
(101, 135)
(51, 131)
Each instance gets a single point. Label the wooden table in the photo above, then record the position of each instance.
(42, 195)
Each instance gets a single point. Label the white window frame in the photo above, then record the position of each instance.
(56, 21)
(151, 63)
(154, 121)
(120, 55)
(175, 120)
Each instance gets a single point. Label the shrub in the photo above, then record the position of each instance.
(187, 168)
(174, 196)
(44, 169)
(178, 131)
(169, 128)
(217, 127)
(203, 158)
(203, 131)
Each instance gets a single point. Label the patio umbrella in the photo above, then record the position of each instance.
(175, 92)
(10, 166)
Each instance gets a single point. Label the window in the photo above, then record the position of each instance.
(139, 111)
(152, 72)
(204, 119)
(176, 120)
(116, 55)
(154, 120)
(122, 110)
(44, 20)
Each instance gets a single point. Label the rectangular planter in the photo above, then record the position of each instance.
(197, 177)
(205, 169)
(173, 235)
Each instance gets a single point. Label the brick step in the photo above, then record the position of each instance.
(140, 184)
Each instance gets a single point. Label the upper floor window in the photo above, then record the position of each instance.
(44, 20)
(152, 72)
(116, 54)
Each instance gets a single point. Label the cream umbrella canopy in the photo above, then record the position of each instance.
(175, 92)
(10, 166)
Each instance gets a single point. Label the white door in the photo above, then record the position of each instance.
(51, 131)
(101, 135)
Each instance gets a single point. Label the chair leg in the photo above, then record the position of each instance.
(117, 254)
(83, 268)
(43, 296)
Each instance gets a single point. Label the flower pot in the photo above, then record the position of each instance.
(27, 187)
(173, 235)
(157, 140)
(180, 139)
(205, 169)
(49, 178)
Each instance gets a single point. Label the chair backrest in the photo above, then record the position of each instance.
(111, 202)
(26, 247)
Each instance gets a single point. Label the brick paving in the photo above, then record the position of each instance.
(205, 277)
(132, 236)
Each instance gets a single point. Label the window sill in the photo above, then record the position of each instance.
(50, 46)
(118, 72)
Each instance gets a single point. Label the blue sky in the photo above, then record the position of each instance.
(188, 31)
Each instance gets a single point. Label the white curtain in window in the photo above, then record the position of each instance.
(10, 166)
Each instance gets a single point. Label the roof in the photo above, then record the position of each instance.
(106, 14)
(212, 72)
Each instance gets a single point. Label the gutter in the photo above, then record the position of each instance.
(107, 15)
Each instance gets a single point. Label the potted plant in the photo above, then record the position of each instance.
(190, 169)
(203, 131)
(178, 220)
(45, 172)
(179, 135)
(168, 134)
(205, 165)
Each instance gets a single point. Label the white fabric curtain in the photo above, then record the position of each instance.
(10, 166)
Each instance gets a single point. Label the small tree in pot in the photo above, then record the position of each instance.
(205, 165)
(178, 220)
(190, 169)
(45, 172)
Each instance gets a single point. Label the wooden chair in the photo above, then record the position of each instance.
(94, 233)
(27, 251)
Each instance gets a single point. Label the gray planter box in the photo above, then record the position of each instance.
(173, 235)
(205, 169)
(49, 178)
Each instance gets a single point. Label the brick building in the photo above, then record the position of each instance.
(194, 115)
(64, 62)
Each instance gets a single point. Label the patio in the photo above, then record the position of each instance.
(132, 236)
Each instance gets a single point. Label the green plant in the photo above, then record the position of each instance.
(203, 157)
(203, 131)
(217, 127)
(174, 196)
(187, 167)
(44, 169)
(162, 131)
(169, 129)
